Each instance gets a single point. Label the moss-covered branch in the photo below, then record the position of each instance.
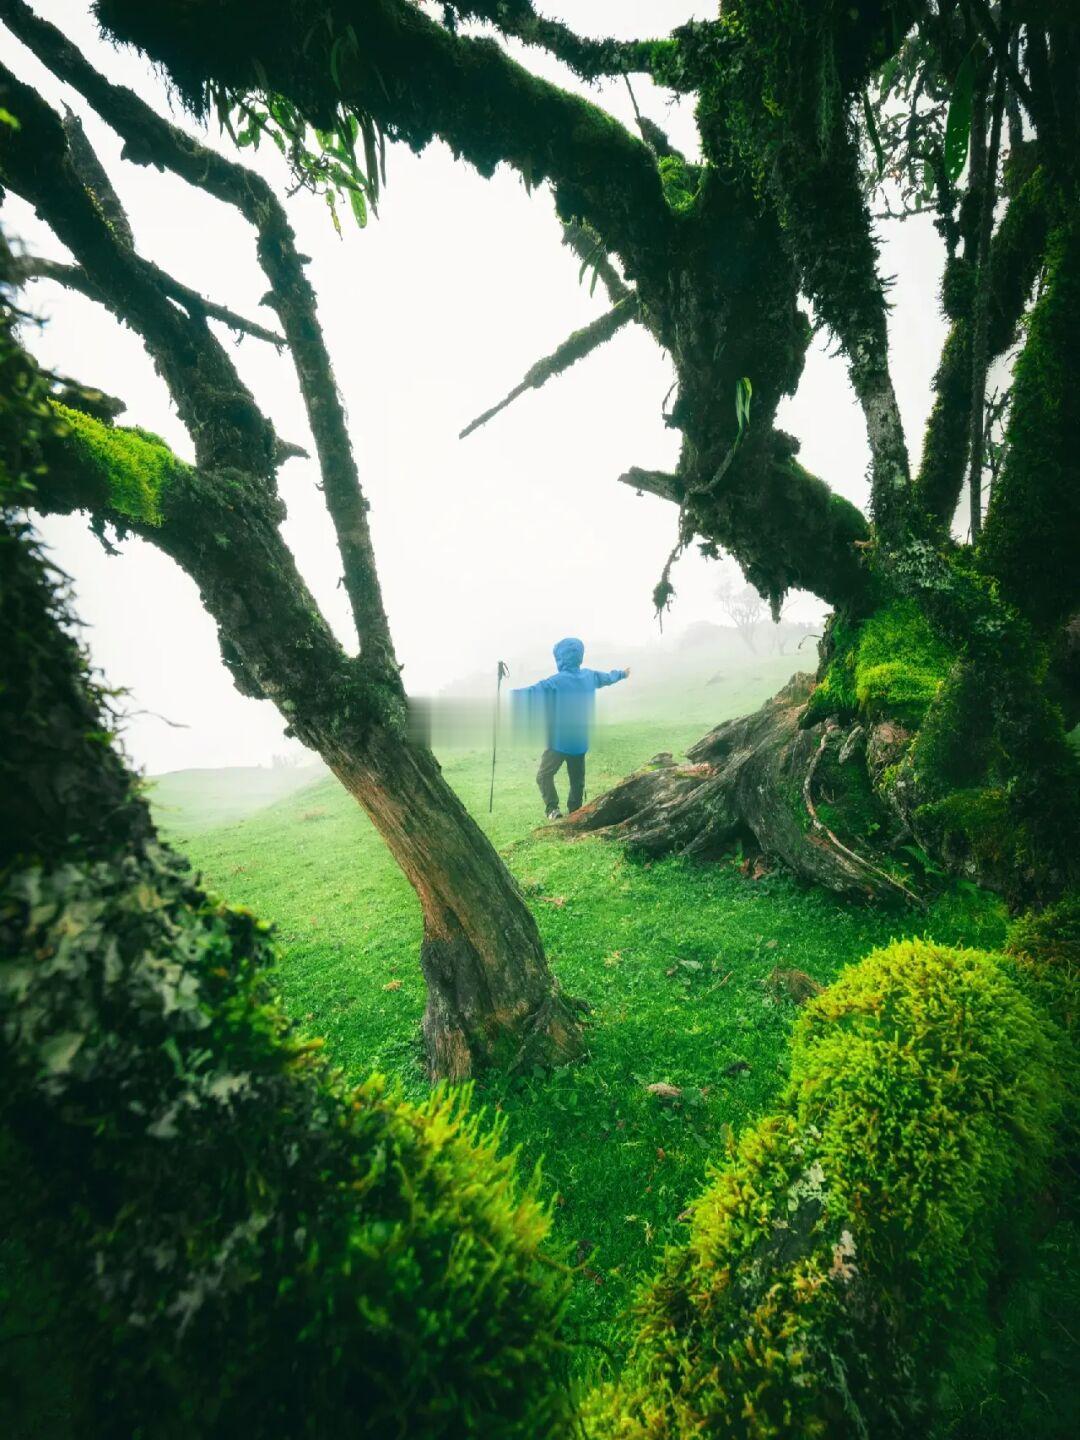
(588, 58)
(574, 348)
(843, 1259)
(151, 140)
(1032, 536)
(72, 277)
(226, 426)
(417, 80)
(1015, 255)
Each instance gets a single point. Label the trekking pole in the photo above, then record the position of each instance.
(503, 669)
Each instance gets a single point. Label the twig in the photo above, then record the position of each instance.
(36, 267)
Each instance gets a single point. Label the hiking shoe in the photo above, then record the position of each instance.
(554, 814)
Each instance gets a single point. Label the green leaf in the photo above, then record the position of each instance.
(6, 118)
(335, 52)
(872, 132)
(958, 122)
(743, 392)
(332, 207)
(359, 207)
(592, 258)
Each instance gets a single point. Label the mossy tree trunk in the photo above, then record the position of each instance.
(494, 999)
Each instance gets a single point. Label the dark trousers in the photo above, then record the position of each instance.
(550, 764)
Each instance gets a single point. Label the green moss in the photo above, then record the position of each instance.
(246, 1243)
(901, 664)
(890, 666)
(1030, 539)
(134, 466)
(843, 1258)
(1047, 944)
(846, 801)
(975, 820)
(680, 182)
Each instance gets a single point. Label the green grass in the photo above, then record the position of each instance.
(191, 801)
(672, 957)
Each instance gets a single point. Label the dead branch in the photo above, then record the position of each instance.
(574, 348)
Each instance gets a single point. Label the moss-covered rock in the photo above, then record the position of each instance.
(841, 1260)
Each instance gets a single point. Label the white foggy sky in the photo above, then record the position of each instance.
(487, 547)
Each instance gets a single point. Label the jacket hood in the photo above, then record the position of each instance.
(569, 653)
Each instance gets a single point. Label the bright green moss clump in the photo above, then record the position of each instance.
(239, 1242)
(888, 667)
(841, 1260)
(135, 466)
(680, 182)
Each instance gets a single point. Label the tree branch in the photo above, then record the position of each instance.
(151, 140)
(999, 44)
(226, 426)
(250, 585)
(574, 348)
(93, 175)
(74, 278)
(589, 248)
(1015, 254)
(655, 482)
(588, 58)
(417, 81)
(980, 324)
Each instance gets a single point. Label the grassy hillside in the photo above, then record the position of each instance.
(673, 958)
(187, 801)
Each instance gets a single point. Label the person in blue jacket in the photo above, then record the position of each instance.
(565, 701)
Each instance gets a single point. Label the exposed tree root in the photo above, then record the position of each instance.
(745, 781)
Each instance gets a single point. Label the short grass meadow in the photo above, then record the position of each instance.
(672, 957)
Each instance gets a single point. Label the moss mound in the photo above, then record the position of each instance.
(241, 1244)
(842, 1259)
(891, 666)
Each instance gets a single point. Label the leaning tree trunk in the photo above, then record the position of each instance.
(220, 520)
(491, 999)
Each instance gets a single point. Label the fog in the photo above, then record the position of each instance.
(487, 548)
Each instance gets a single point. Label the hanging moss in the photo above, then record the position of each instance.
(843, 1259)
(135, 466)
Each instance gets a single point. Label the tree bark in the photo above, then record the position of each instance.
(744, 782)
(491, 999)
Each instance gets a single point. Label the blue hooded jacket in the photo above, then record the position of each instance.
(567, 698)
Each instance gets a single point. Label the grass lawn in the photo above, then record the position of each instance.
(672, 957)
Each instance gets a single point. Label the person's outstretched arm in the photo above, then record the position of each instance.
(610, 677)
(539, 687)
